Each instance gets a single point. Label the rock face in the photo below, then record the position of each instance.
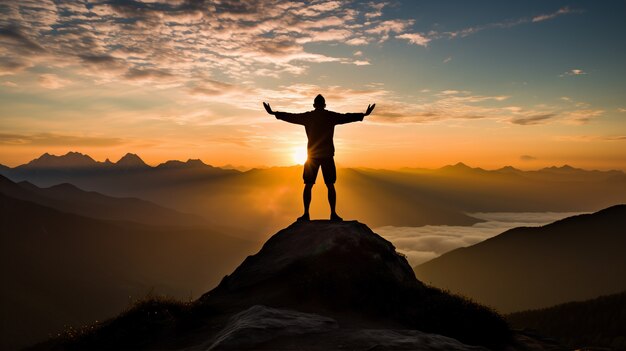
(260, 324)
(347, 272)
(265, 328)
(322, 263)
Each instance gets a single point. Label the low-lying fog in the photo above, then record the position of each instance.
(421, 244)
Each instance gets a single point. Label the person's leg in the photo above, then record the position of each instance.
(332, 198)
(330, 176)
(306, 198)
(309, 174)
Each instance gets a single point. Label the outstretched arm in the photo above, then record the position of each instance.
(268, 108)
(370, 108)
(343, 118)
(296, 118)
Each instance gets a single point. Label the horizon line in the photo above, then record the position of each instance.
(246, 168)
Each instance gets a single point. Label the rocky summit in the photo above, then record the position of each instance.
(345, 271)
(315, 285)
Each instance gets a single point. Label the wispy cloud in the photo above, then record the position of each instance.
(591, 138)
(573, 72)
(562, 11)
(461, 33)
(415, 38)
(52, 81)
(527, 158)
(533, 119)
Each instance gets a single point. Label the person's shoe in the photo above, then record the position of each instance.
(335, 217)
(303, 218)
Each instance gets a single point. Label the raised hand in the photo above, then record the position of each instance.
(370, 108)
(268, 108)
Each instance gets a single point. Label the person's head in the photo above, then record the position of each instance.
(319, 103)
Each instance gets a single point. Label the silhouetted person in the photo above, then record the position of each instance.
(320, 128)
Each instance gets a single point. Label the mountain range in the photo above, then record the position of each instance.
(264, 199)
(577, 258)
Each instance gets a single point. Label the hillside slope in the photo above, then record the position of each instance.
(64, 269)
(576, 258)
(599, 322)
(69, 198)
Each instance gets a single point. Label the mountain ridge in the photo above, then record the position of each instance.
(575, 258)
(72, 199)
(50, 160)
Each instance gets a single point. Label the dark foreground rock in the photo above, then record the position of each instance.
(265, 328)
(313, 286)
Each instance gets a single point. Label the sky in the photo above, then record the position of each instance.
(488, 83)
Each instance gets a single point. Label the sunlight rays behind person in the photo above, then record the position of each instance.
(299, 155)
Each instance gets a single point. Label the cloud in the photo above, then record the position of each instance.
(376, 9)
(361, 63)
(52, 139)
(461, 33)
(8, 83)
(582, 116)
(527, 158)
(533, 119)
(19, 41)
(148, 74)
(415, 38)
(52, 81)
(544, 17)
(573, 72)
(589, 138)
(390, 26)
(421, 244)
(185, 40)
(622, 110)
(447, 59)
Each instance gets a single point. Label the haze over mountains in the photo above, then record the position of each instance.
(576, 258)
(264, 199)
(70, 257)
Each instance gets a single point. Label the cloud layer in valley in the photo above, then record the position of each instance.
(421, 244)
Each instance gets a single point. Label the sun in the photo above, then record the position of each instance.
(299, 156)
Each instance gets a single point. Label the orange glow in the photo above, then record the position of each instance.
(299, 156)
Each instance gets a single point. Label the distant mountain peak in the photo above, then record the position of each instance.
(71, 159)
(564, 168)
(196, 162)
(459, 166)
(509, 169)
(190, 163)
(131, 160)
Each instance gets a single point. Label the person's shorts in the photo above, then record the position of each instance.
(312, 165)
